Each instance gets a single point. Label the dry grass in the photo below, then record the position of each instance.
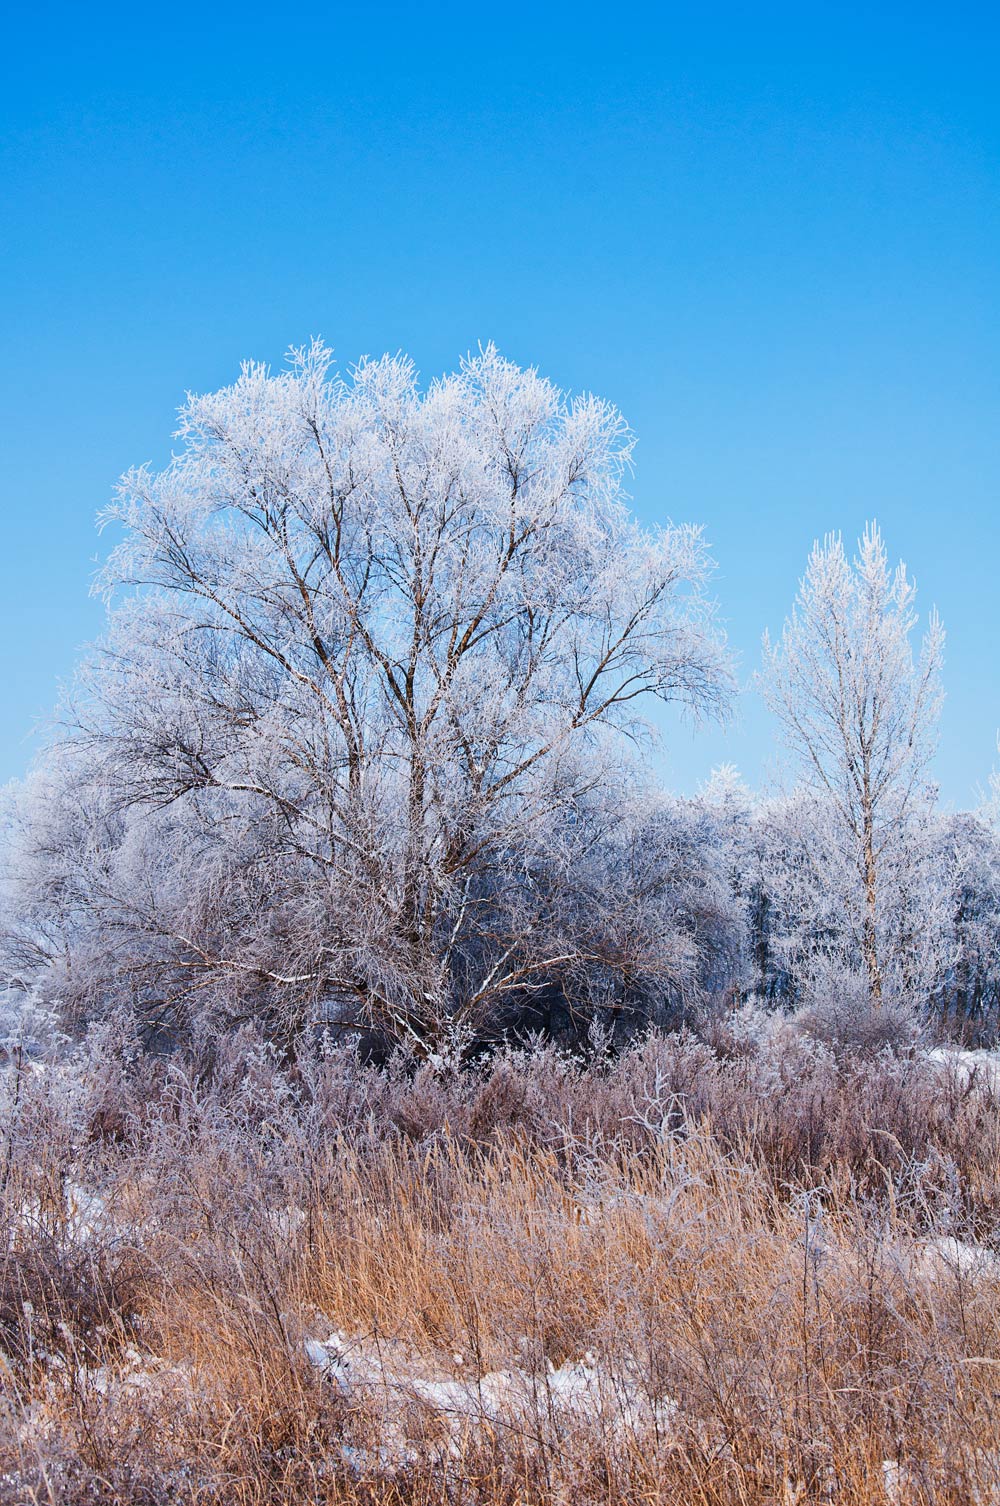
(750, 1295)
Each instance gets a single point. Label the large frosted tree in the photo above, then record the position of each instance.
(859, 710)
(370, 686)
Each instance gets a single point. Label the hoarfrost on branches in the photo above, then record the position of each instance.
(368, 696)
(860, 714)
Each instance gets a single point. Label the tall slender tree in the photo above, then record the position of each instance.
(858, 710)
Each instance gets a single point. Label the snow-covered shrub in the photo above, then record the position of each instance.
(838, 1009)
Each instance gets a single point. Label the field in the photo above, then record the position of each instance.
(738, 1273)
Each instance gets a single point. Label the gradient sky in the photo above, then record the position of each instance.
(770, 233)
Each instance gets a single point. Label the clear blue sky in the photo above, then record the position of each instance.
(771, 233)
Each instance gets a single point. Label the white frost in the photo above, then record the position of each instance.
(580, 1391)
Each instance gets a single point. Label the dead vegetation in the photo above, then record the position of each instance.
(690, 1274)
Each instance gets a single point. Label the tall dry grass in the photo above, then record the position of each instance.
(677, 1277)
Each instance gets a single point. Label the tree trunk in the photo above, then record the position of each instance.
(869, 937)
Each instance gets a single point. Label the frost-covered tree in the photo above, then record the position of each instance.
(366, 699)
(967, 862)
(860, 713)
(801, 880)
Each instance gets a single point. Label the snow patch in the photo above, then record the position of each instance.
(980, 1069)
(535, 1403)
(943, 1255)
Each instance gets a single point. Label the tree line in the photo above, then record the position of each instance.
(362, 747)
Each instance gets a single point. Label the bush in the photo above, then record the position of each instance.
(840, 1011)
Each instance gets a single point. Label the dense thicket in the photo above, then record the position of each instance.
(360, 748)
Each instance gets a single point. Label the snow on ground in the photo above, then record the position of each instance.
(134, 1378)
(943, 1255)
(533, 1402)
(286, 1222)
(969, 1068)
(81, 1216)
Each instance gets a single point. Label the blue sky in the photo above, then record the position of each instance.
(770, 233)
